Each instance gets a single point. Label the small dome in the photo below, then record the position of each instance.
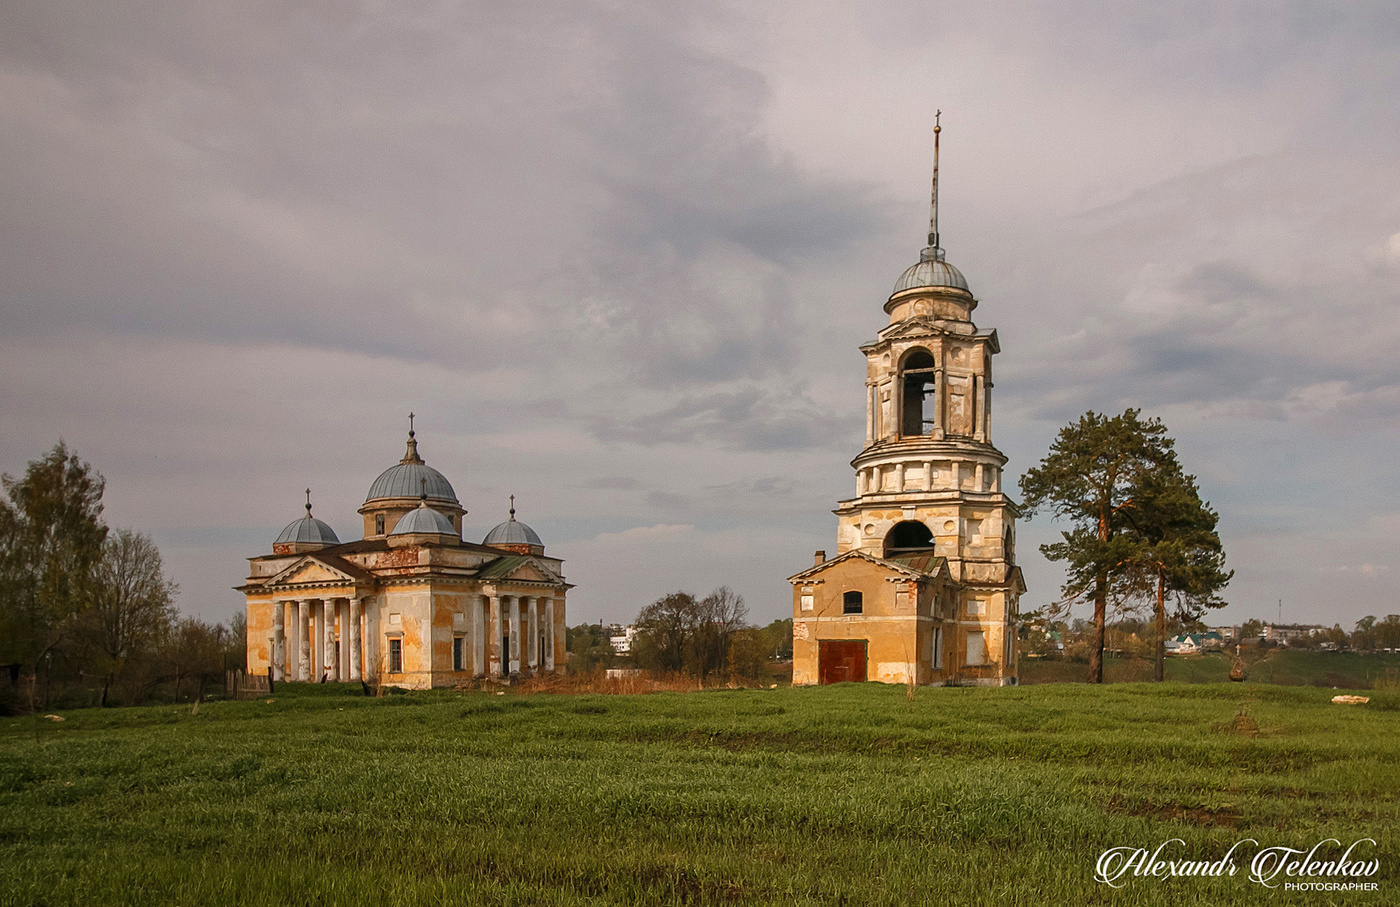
(424, 520)
(931, 271)
(307, 531)
(411, 478)
(512, 532)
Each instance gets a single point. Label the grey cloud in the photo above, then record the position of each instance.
(746, 418)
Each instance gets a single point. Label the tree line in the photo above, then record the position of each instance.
(87, 614)
(708, 638)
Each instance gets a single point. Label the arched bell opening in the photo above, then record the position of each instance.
(908, 537)
(919, 376)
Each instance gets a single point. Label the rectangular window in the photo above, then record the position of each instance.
(938, 647)
(457, 653)
(851, 603)
(396, 656)
(976, 608)
(976, 647)
(807, 601)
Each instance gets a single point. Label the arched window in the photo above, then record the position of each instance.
(851, 603)
(910, 535)
(918, 375)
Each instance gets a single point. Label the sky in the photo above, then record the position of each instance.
(619, 259)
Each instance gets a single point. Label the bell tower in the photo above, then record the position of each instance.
(929, 480)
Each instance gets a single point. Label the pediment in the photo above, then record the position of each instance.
(520, 568)
(894, 569)
(310, 570)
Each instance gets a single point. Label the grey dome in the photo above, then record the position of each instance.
(931, 271)
(424, 519)
(308, 530)
(512, 532)
(405, 480)
(411, 478)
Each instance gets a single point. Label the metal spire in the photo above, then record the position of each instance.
(512, 508)
(308, 502)
(933, 244)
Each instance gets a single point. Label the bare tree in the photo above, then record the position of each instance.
(131, 603)
(720, 615)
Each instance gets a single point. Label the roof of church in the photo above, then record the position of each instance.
(931, 271)
(424, 519)
(923, 561)
(411, 478)
(512, 532)
(502, 566)
(915, 563)
(307, 530)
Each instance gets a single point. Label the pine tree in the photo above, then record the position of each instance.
(1088, 479)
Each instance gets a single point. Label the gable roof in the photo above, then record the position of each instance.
(519, 567)
(922, 569)
(319, 568)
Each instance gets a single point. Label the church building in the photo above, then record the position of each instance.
(924, 587)
(412, 604)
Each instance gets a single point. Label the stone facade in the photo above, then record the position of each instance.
(928, 541)
(411, 604)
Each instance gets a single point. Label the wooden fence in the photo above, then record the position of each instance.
(238, 685)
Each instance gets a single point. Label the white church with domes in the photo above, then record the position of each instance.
(411, 604)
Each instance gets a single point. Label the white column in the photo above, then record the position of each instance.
(549, 634)
(928, 475)
(860, 482)
(342, 610)
(987, 409)
(938, 396)
(869, 414)
(515, 634)
(279, 640)
(899, 477)
(493, 647)
(328, 664)
(977, 478)
(356, 639)
(478, 638)
(955, 474)
(304, 637)
(534, 649)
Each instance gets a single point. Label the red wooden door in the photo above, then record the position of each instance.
(840, 659)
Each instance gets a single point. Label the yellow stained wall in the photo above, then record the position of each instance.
(260, 628)
(899, 632)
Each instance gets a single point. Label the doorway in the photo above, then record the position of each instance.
(840, 660)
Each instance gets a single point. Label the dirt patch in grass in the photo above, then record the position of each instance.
(1222, 817)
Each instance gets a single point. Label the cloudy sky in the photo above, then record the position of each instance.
(619, 258)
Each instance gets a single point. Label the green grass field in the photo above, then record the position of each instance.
(1290, 667)
(850, 794)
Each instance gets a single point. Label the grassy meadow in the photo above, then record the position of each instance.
(1289, 667)
(853, 794)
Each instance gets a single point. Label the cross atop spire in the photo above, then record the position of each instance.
(512, 508)
(934, 250)
(411, 455)
(308, 502)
